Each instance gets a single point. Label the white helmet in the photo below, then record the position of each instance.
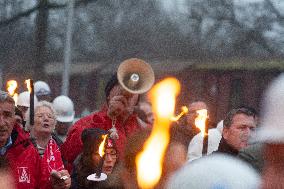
(24, 99)
(271, 128)
(215, 171)
(64, 108)
(41, 88)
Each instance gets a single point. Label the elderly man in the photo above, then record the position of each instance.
(23, 158)
(238, 127)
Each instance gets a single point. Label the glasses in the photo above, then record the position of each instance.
(113, 155)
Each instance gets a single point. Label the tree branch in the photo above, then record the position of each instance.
(28, 12)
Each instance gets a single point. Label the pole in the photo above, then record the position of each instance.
(205, 140)
(32, 102)
(68, 50)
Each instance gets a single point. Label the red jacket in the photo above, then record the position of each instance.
(72, 147)
(24, 160)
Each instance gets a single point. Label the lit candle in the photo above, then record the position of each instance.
(149, 162)
(200, 122)
(30, 86)
(11, 88)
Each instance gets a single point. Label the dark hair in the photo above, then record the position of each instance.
(113, 81)
(91, 139)
(244, 110)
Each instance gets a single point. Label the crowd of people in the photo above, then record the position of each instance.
(244, 150)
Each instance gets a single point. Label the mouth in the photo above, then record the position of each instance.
(45, 125)
(108, 168)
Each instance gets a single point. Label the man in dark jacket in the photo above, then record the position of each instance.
(238, 127)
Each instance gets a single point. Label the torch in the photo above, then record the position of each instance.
(184, 110)
(30, 86)
(200, 122)
(98, 175)
(11, 88)
(150, 160)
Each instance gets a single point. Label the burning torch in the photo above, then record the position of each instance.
(30, 86)
(11, 88)
(200, 122)
(149, 161)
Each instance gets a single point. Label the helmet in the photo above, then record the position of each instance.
(64, 108)
(42, 88)
(271, 128)
(215, 171)
(24, 99)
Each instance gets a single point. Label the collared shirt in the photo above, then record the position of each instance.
(7, 145)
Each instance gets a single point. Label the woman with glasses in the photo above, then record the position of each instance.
(89, 160)
(41, 133)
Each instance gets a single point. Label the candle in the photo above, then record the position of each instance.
(30, 86)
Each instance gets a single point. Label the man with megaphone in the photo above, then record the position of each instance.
(134, 77)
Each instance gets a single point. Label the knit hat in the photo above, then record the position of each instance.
(113, 81)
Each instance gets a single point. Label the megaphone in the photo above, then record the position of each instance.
(135, 76)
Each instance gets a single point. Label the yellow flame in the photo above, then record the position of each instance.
(11, 88)
(102, 146)
(184, 110)
(149, 161)
(28, 83)
(200, 120)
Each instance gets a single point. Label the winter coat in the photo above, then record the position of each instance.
(24, 160)
(72, 147)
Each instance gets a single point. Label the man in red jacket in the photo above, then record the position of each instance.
(19, 151)
(116, 116)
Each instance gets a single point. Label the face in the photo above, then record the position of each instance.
(239, 132)
(145, 107)
(110, 160)
(7, 121)
(19, 121)
(192, 114)
(128, 100)
(62, 128)
(44, 120)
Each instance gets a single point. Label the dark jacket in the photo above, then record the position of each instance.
(225, 148)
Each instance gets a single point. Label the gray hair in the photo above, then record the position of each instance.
(5, 97)
(229, 117)
(38, 105)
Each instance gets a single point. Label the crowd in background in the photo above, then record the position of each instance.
(244, 150)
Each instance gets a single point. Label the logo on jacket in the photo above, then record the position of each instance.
(24, 175)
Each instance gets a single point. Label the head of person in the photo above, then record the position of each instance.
(64, 108)
(44, 119)
(238, 126)
(23, 102)
(19, 117)
(192, 111)
(7, 117)
(215, 172)
(42, 91)
(120, 102)
(92, 139)
(145, 112)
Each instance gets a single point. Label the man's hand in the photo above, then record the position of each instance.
(116, 106)
(60, 179)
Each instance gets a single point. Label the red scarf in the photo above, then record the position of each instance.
(51, 159)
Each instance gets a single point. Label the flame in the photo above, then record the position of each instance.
(184, 110)
(102, 146)
(28, 83)
(200, 120)
(149, 161)
(11, 88)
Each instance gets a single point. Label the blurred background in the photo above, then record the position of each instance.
(223, 51)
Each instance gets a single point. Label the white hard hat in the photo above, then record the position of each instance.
(24, 99)
(271, 123)
(215, 171)
(64, 108)
(196, 144)
(41, 88)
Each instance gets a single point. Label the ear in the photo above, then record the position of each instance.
(225, 133)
